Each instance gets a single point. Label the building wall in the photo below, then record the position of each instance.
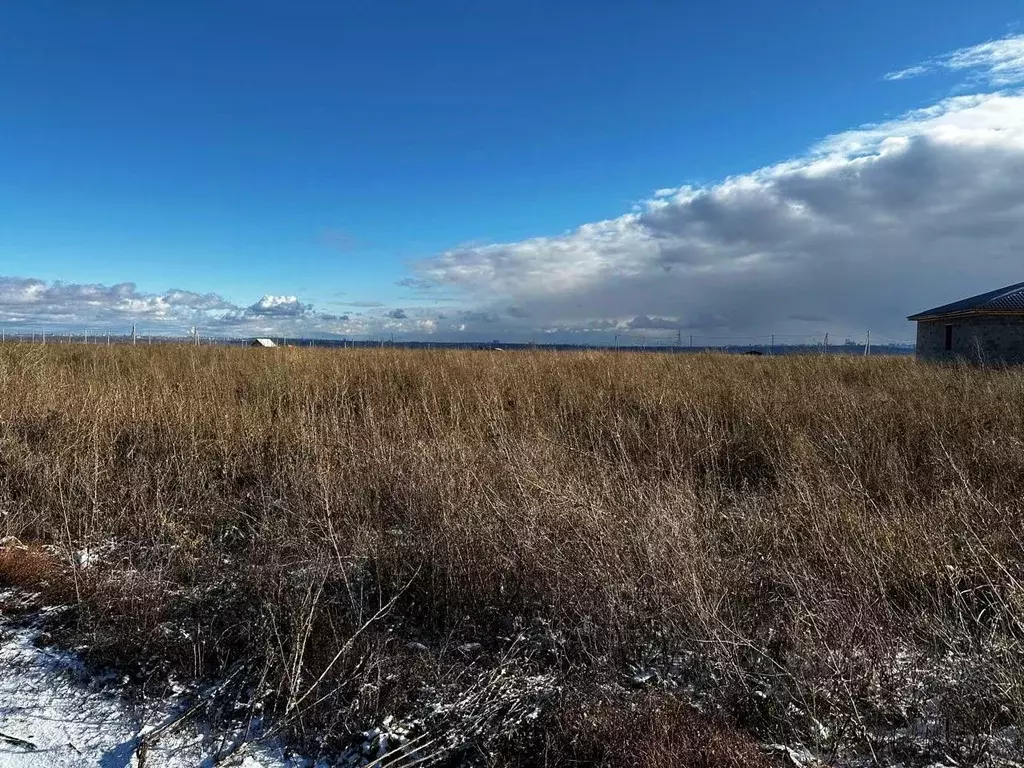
(994, 339)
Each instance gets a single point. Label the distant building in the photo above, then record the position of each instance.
(987, 328)
(262, 343)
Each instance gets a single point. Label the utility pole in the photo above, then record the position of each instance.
(108, 338)
(679, 338)
(825, 348)
(773, 344)
(867, 346)
(133, 334)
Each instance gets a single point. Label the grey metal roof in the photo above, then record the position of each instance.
(1008, 299)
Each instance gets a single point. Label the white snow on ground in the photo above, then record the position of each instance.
(52, 714)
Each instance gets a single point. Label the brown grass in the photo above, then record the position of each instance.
(649, 731)
(31, 567)
(770, 538)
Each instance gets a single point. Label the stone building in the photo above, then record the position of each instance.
(988, 328)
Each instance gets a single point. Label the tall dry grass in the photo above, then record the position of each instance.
(824, 551)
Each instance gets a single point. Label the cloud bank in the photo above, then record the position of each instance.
(28, 305)
(36, 304)
(864, 228)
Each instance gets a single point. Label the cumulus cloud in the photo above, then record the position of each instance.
(36, 304)
(27, 300)
(279, 306)
(865, 228)
(862, 229)
(193, 300)
(30, 304)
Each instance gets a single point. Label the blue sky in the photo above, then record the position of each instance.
(408, 154)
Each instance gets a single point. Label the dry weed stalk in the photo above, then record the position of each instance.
(768, 535)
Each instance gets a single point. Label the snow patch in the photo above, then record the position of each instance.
(54, 714)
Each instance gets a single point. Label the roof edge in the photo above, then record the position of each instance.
(974, 303)
(922, 316)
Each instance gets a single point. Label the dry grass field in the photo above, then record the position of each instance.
(559, 559)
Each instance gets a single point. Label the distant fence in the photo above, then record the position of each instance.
(864, 343)
(827, 343)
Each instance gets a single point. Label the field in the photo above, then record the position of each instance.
(524, 559)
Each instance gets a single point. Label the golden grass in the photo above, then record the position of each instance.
(788, 525)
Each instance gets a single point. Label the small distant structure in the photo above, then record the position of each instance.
(266, 343)
(987, 328)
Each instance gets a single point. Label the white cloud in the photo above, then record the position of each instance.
(281, 306)
(867, 227)
(37, 304)
(29, 304)
(998, 62)
(864, 228)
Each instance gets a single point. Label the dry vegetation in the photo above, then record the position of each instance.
(538, 558)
